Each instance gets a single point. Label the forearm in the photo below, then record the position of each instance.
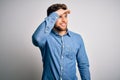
(84, 69)
(44, 29)
(84, 72)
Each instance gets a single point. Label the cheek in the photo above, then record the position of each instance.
(66, 21)
(58, 22)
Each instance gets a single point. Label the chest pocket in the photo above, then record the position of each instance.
(69, 52)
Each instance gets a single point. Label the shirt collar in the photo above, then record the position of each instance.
(56, 33)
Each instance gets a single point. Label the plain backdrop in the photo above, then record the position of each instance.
(98, 21)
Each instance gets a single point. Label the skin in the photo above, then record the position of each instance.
(62, 21)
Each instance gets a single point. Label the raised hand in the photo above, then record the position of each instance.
(62, 11)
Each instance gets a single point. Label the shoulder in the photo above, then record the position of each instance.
(76, 38)
(75, 35)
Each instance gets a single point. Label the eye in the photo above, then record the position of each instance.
(66, 16)
(60, 16)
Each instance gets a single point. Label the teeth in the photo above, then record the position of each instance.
(63, 24)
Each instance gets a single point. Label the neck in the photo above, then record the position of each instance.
(61, 33)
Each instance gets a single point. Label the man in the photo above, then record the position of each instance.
(60, 48)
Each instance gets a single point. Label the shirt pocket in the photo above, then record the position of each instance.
(69, 53)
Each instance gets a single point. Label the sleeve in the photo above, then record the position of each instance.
(40, 35)
(83, 63)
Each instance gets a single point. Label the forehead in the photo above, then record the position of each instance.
(65, 14)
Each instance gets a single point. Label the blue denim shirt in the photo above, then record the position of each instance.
(60, 53)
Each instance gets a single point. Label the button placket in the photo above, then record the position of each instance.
(62, 57)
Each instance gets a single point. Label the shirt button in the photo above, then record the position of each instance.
(62, 57)
(60, 78)
(61, 68)
(63, 46)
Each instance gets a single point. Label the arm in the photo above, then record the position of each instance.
(40, 35)
(83, 63)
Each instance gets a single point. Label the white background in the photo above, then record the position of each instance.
(98, 21)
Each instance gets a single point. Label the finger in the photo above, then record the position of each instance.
(67, 11)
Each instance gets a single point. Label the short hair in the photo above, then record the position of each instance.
(55, 7)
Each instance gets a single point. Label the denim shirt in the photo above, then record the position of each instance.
(60, 53)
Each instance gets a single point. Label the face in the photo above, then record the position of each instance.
(61, 23)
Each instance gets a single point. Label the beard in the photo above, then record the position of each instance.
(58, 28)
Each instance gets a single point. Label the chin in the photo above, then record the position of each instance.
(61, 28)
(64, 30)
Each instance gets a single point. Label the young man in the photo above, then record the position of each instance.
(60, 48)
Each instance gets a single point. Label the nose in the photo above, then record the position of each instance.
(63, 19)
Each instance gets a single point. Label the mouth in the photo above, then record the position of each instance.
(63, 24)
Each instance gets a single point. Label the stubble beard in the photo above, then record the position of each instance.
(58, 28)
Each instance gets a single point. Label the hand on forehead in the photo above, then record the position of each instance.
(62, 11)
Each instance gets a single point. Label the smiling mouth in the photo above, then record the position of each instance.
(63, 24)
